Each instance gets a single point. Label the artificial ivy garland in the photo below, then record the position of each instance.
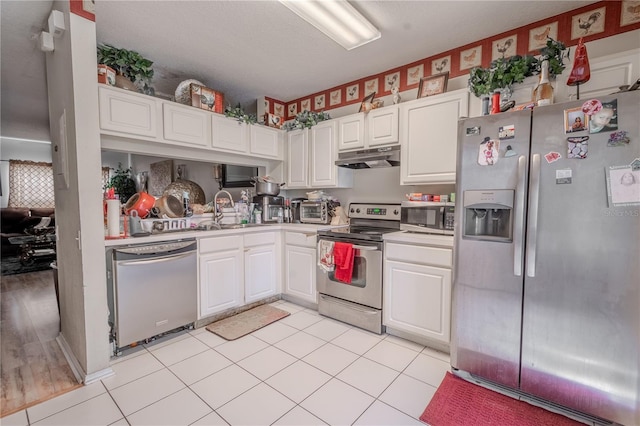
(306, 119)
(239, 114)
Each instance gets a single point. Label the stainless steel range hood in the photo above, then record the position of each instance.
(370, 158)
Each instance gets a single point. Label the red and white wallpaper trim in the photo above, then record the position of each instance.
(593, 22)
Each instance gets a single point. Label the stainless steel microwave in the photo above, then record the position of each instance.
(315, 212)
(427, 217)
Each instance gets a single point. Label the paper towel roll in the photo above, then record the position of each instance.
(113, 218)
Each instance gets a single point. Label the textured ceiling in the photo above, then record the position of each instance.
(248, 49)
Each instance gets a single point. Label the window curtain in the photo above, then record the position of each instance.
(30, 184)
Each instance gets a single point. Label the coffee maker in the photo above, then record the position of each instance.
(272, 207)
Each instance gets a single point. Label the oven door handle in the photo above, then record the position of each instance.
(366, 248)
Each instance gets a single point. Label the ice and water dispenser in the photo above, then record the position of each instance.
(488, 215)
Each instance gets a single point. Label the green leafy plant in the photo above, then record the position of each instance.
(306, 119)
(240, 115)
(555, 53)
(503, 73)
(127, 63)
(122, 183)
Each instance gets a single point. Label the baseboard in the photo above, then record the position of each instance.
(77, 369)
(438, 346)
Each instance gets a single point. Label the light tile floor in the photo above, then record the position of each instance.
(303, 370)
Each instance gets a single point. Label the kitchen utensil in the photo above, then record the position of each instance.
(141, 203)
(170, 206)
(267, 188)
(179, 186)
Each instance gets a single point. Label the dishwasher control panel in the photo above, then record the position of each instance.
(156, 248)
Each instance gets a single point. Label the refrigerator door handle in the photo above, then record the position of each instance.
(519, 217)
(532, 224)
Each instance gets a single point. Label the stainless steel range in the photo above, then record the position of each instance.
(359, 302)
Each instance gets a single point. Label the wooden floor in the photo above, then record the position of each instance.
(33, 367)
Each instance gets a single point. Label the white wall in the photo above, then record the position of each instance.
(19, 149)
(73, 116)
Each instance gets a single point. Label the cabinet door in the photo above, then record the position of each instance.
(260, 265)
(323, 147)
(265, 141)
(300, 272)
(229, 135)
(221, 281)
(417, 299)
(429, 135)
(186, 124)
(351, 132)
(297, 159)
(382, 127)
(128, 113)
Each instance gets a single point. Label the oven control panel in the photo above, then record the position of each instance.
(374, 211)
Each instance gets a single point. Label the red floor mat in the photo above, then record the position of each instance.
(459, 403)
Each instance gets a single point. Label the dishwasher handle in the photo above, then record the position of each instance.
(153, 260)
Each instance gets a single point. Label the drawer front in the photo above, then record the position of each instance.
(210, 245)
(259, 239)
(303, 239)
(425, 255)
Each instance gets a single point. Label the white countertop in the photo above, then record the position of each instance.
(181, 235)
(419, 238)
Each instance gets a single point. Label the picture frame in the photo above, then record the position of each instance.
(575, 120)
(433, 85)
(367, 99)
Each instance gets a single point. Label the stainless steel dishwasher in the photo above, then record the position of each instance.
(153, 290)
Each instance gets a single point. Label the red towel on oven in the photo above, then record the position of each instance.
(343, 255)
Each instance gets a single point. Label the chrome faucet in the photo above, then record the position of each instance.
(218, 213)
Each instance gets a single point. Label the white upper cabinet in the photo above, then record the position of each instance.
(377, 128)
(351, 132)
(382, 127)
(311, 156)
(229, 135)
(265, 141)
(297, 159)
(323, 145)
(186, 124)
(127, 112)
(429, 137)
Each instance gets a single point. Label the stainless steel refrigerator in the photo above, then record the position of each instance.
(546, 296)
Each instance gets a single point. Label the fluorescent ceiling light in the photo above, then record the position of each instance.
(337, 19)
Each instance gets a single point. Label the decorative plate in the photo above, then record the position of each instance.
(183, 91)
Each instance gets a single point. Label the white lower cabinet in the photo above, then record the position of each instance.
(221, 278)
(261, 266)
(417, 290)
(300, 266)
(238, 269)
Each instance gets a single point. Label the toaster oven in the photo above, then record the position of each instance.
(315, 212)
